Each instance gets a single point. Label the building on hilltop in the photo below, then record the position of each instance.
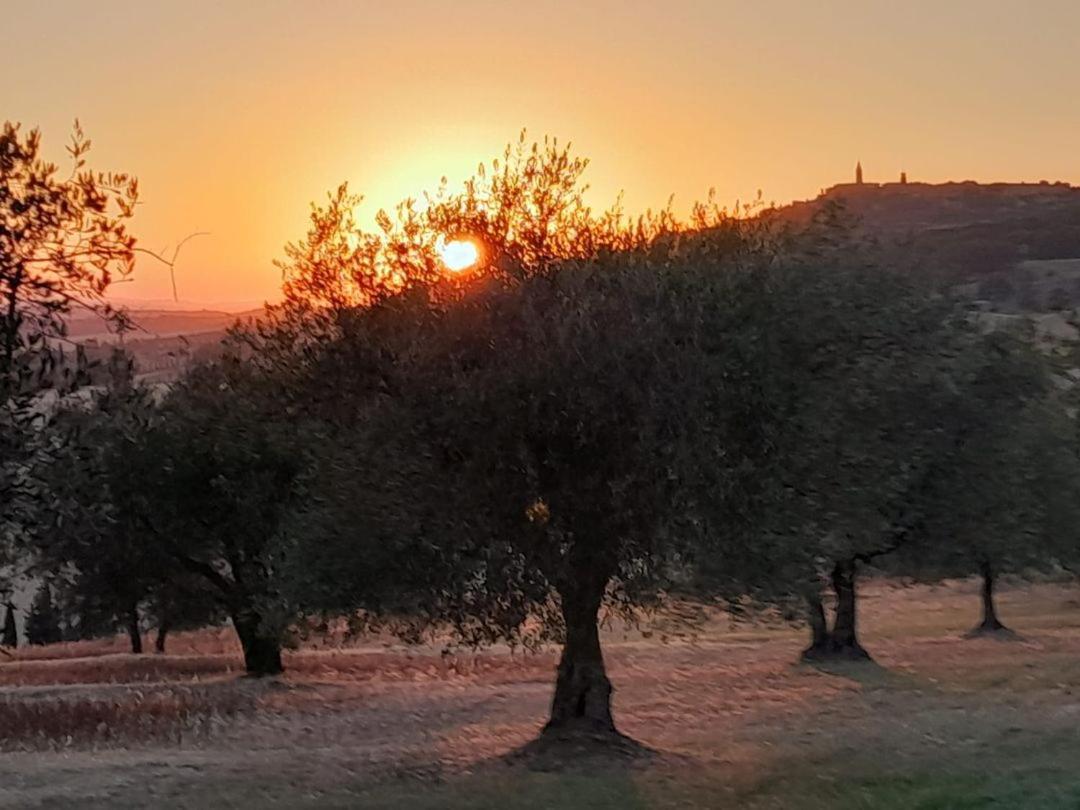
(858, 172)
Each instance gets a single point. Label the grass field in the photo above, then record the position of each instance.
(731, 718)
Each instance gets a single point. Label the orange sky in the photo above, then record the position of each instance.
(235, 115)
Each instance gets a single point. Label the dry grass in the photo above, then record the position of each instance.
(126, 718)
(210, 641)
(938, 722)
(116, 668)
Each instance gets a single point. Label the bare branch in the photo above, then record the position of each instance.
(171, 263)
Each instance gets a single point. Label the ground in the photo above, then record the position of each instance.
(730, 718)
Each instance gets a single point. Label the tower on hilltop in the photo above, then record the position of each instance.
(858, 173)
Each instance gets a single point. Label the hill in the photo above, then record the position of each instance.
(1017, 244)
(157, 323)
(163, 341)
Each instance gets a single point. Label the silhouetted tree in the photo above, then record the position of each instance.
(212, 480)
(1005, 498)
(517, 434)
(91, 533)
(10, 636)
(539, 450)
(181, 601)
(43, 621)
(853, 375)
(62, 241)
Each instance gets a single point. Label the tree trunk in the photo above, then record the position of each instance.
(11, 331)
(133, 630)
(582, 700)
(820, 639)
(842, 641)
(845, 641)
(262, 652)
(159, 639)
(10, 637)
(990, 622)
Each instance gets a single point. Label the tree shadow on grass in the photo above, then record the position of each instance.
(553, 770)
(581, 751)
(993, 634)
(868, 673)
(577, 750)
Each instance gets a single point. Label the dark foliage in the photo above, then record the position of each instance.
(43, 621)
(9, 636)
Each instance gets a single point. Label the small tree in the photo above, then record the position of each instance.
(43, 621)
(181, 601)
(10, 636)
(91, 533)
(852, 365)
(1005, 497)
(212, 482)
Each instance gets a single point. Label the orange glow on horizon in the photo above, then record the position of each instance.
(237, 118)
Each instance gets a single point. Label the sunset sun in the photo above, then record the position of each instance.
(459, 254)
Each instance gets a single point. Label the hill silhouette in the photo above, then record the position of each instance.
(973, 228)
(1016, 245)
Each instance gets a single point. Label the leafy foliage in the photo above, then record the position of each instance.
(62, 242)
(212, 480)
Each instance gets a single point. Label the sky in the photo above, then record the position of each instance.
(235, 115)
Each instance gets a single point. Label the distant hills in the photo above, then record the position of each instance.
(1012, 247)
(164, 340)
(917, 207)
(153, 322)
(1015, 246)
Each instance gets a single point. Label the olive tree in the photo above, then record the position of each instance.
(63, 239)
(88, 539)
(516, 448)
(550, 445)
(95, 538)
(212, 480)
(854, 363)
(1005, 497)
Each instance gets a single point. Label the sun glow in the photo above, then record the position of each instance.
(459, 254)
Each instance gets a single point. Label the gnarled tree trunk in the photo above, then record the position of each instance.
(10, 636)
(133, 630)
(262, 651)
(820, 638)
(990, 622)
(582, 701)
(844, 642)
(159, 639)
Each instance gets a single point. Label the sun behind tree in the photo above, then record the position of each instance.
(459, 254)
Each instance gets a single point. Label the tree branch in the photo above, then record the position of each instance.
(171, 263)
